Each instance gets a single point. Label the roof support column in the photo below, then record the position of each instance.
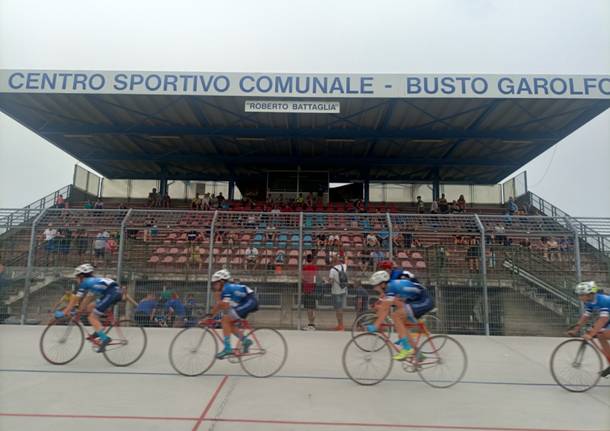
(436, 187)
(232, 190)
(367, 189)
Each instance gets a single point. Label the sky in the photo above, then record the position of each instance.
(315, 36)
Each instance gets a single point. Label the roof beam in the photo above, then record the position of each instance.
(291, 160)
(269, 132)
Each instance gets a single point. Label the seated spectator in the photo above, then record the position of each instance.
(372, 241)
(175, 311)
(397, 240)
(153, 199)
(251, 260)
(511, 206)
(60, 202)
(443, 205)
(434, 207)
(408, 239)
(111, 246)
(461, 203)
(232, 238)
(280, 257)
(251, 221)
(421, 207)
(334, 241)
(192, 235)
(145, 311)
(300, 200)
(454, 208)
(499, 234)
(99, 205)
(563, 248)
(219, 237)
(196, 202)
(88, 205)
(213, 201)
(417, 243)
(309, 200)
(473, 254)
(376, 257)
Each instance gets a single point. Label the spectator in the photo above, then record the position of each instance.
(443, 205)
(99, 245)
(339, 283)
(60, 202)
(511, 206)
(50, 239)
(552, 247)
(88, 205)
(461, 203)
(195, 256)
(65, 240)
(309, 288)
(196, 202)
(175, 311)
(145, 311)
(563, 249)
(153, 199)
(63, 301)
(473, 254)
(309, 200)
(111, 245)
(362, 299)
(220, 200)
(213, 201)
(321, 240)
(421, 207)
(434, 207)
(280, 257)
(99, 205)
(82, 242)
(376, 257)
(454, 207)
(300, 200)
(499, 233)
(372, 241)
(251, 260)
(205, 202)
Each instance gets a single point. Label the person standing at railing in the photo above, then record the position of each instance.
(511, 206)
(309, 288)
(50, 242)
(338, 288)
(60, 202)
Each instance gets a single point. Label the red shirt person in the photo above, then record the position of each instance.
(309, 288)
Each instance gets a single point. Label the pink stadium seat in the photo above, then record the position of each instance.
(292, 261)
(181, 260)
(417, 255)
(406, 264)
(173, 250)
(402, 255)
(172, 236)
(160, 250)
(153, 259)
(293, 253)
(320, 262)
(167, 259)
(420, 264)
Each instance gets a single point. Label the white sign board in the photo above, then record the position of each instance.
(320, 86)
(301, 106)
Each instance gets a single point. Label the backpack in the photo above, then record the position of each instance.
(343, 281)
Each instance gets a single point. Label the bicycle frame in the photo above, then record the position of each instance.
(108, 322)
(244, 325)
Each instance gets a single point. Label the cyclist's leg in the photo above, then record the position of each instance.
(98, 309)
(382, 309)
(399, 316)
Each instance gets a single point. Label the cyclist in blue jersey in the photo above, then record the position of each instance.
(411, 300)
(594, 301)
(395, 272)
(107, 292)
(236, 301)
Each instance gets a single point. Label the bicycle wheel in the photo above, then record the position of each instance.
(127, 345)
(365, 319)
(267, 354)
(371, 364)
(445, 365)
(433, 323)
(193, 351)
(576, 365)
(61, 342)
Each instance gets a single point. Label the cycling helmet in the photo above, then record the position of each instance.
(85, 268)
(585, 287)
(223, 274)
(379, 277)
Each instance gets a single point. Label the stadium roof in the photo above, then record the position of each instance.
(387, 128)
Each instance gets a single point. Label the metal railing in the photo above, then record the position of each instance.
(488, 274)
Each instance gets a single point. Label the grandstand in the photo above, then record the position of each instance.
(490, 271)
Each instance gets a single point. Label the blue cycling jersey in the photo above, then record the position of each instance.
(177, 306)
(601, 303)
(97, 285)
(235, 292)
(406, 290)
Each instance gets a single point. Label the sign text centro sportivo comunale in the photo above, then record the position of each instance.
(307, 85)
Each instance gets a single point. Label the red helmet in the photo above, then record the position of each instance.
(385, 264)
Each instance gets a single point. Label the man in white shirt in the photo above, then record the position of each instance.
(49, 236)
(338, 288)
(251, 257)
(99, 244)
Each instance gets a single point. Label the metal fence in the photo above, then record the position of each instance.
(489, 274)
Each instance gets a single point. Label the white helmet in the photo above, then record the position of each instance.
(223, 274)
(585, 287)
(379, 277)
(85, 268)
